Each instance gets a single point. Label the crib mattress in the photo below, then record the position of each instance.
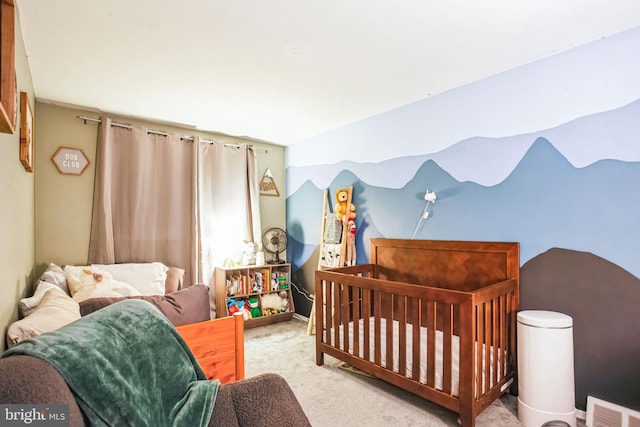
(455, 358)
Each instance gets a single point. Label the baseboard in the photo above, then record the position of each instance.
(300, 317)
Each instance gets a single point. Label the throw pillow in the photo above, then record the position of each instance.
(54, 311)
(27, 305)
(55, 275)
(188, 305)
(148, 278)
(85, 283)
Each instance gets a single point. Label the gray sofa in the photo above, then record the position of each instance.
(26, 379)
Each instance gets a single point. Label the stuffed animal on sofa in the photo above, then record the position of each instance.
(342, 195)
(85, 283)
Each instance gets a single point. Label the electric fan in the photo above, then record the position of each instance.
(274, 240)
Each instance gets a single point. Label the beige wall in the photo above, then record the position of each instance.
(45, 216)
(63, 202)
(16, 207)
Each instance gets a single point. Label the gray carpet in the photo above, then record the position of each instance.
(333, 397)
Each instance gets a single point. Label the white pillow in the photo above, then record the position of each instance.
(88, 282)
(54, 311)
(148, 278)
(55, 275)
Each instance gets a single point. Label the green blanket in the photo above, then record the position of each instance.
(127, 365)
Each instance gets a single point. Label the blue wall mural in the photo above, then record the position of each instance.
(543, 202)
(547, 155)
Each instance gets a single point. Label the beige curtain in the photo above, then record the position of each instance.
(189, 204)
(143, 198)
(228, 200)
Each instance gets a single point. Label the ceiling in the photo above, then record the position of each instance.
(283, 71)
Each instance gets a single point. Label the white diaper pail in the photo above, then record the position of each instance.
(546, 390)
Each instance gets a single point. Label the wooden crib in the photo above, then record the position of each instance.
(436, 318)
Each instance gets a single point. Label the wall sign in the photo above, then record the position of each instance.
(70, 161)
(268, 185)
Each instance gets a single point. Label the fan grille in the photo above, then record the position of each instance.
(274, 240)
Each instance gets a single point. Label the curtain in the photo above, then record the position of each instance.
(228, 202)
(188, 204)
(143, 198)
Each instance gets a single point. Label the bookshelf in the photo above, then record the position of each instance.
(259, 289)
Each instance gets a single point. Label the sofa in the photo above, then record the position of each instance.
(29, 380)
(63, 294)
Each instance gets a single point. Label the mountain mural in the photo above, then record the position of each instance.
(601, 298)
(489, 160)
(544, 202)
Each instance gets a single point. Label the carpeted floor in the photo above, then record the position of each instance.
(333, 397)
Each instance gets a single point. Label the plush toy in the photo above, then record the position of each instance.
(350, 257)
(249, 254)
(238, 306)
(272, 304)
(234, 306)
(254, 308)
(342, 195)
(284, 301)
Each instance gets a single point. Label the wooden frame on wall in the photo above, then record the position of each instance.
(8, 91)
(26, 132)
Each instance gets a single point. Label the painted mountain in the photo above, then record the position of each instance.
(544, 202)
(602, 300)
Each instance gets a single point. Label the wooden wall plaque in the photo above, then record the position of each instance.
(70, 161)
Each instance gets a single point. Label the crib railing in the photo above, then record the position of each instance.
(382, 326)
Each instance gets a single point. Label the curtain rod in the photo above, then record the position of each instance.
(159, 132)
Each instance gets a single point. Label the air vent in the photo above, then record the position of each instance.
(601, 413)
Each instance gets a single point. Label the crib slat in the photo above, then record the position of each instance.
(431, 343)
(402, 335)
(504, 336)
(335, 288)
(377, 309)
(415, 339)
(478, 348)
(344, 314)
(366, 314)
(328, 322)
(357, 300)
(487, 348)
(389, 332)
(447, 343)
(495, 327)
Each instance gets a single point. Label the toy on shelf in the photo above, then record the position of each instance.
(238, 306)
(249, 253)
(254, 307)
(274, 303)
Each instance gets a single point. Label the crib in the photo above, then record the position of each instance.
(436, 318)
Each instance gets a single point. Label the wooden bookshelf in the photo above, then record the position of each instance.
(264, 284)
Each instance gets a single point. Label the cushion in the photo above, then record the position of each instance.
(27, 305)
(175, 280)
(55, 275)
(31, 379)
(54, 311)
(188, 305)
(85, 283)
(148, 278)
